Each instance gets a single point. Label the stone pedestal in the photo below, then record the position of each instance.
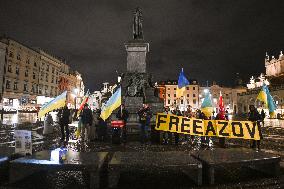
(136, 83)
(136, 56)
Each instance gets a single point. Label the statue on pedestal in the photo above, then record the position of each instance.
(137, 24)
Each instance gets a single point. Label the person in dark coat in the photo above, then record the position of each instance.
(64, 120)
(87, 121)
(262, 117)
(222, 116)
(123, 115)
(255, 117)
(101, 127)
(144, 119)
(176, 135)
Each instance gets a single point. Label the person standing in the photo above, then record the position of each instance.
(166, 135)
(221, 116)
(255, 117)
(176, 135)
(87, 121)
(144, 119)
(262, 116)
(123, 115)
(64, 119)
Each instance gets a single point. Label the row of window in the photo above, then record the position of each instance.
(193, 95)
(11, 54)
(47, 68)
(34, 74)
(187, 88)
(34, 88)
(181, 102)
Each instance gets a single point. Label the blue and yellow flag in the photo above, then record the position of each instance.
(182, 83)
(58, 102)
(206, 106)
(113, 102)
(265, 96)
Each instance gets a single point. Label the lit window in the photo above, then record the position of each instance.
(26, 73)
(10, 68)
(8, 84)
(25, 87)
(18, 56)
(17, 70)
(15, 85)
(194, 101)
(11, 54)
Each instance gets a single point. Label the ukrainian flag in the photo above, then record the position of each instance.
(206, 106)
(113, 102)
(265, 96)
(58, 102)
(182, 83)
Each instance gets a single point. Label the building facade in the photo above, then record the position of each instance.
(229, 96)
(29, 76)
(274, 78)
(167, 92)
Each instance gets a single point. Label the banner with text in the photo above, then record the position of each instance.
(200, 127)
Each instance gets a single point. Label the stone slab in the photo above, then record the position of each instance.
(243, 157)
(89, 162)
(6, 154)
(156, 161)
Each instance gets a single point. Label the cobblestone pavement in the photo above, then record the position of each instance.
(273, 142)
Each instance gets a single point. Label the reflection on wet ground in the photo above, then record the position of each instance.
(273, 142)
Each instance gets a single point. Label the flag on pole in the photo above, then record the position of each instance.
(221, 107)
(58, 102)
(206, 106)
(182, 83)
(84, 101)
(265, 96)
(113, 102)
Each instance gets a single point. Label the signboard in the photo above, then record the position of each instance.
(23, 142)
(200, 127)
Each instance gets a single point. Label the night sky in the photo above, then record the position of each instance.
(210, 39)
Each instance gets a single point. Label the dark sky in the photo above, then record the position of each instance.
(210, 39)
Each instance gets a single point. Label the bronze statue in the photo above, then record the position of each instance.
(137, 24)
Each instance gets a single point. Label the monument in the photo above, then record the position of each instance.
(136, 83)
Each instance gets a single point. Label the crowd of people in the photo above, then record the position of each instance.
(93, 127)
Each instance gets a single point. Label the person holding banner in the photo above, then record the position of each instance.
(255, 117)
(221, 116)
(166, 136)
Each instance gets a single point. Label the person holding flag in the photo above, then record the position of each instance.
(182, 84)
(221, 116)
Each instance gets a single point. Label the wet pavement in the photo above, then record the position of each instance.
(273, 142)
